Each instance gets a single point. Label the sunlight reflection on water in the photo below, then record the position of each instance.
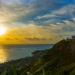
(3, 56)
(13, 52)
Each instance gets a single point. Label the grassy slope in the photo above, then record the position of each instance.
(60, 60)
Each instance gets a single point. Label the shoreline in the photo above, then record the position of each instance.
(20, 63)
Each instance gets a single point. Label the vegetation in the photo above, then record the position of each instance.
(59, 60)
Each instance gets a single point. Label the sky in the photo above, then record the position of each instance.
(37, 21)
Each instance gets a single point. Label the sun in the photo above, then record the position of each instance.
(2, 30)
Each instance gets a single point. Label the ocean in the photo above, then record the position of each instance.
(12, 52)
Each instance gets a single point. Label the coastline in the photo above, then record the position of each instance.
(20, 63)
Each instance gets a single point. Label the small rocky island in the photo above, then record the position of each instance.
(59, 60)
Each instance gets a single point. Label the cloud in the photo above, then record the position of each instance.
(33, 39)
(11, 11)
(64, 12)
(8, 39)
(40, 34)
(20, 12)
(38, 20)
(36, 39)
(74, 19)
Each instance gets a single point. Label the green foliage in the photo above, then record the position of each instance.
(59, 60)
(73, 72)
(12, 71)
(4, 73)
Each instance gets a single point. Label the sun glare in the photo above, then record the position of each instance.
(2, 30)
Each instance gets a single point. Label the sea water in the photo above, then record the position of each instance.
(12, 52)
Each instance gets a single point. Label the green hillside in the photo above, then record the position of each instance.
(59, 60)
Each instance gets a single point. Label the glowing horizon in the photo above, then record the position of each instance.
(36, 21)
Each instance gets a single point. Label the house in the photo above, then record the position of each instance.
(73, 37)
